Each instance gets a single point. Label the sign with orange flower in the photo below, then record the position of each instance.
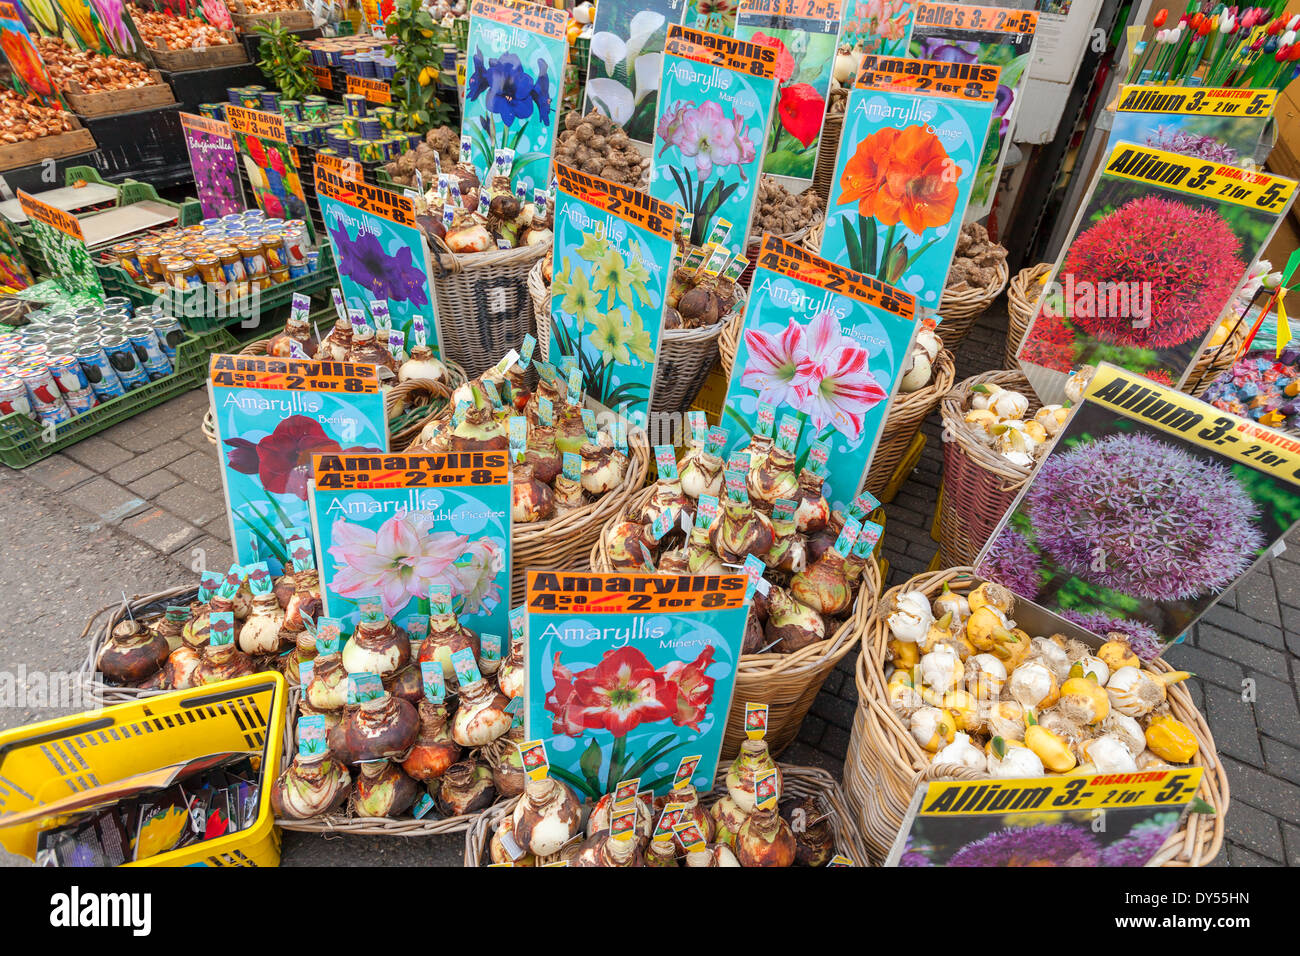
(913, 134)
(29, 72)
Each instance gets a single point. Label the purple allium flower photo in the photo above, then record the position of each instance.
(1175, 140)
(1142, 637)
(1050, 844)
(1141, 842)
(1143, 517)
(1012, 563)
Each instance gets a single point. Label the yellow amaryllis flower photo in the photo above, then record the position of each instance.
(613, 277)
(580, 301)
(609, 337)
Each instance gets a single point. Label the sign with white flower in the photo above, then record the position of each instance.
(912, 138)
(514, 80)
(627, 59)
(612, 259)
(715, 105)
(396, 525)
(803, 33)
(826, 345)
(632, 675)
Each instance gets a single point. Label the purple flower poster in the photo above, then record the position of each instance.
(211, 145)
(396, 525)
(1044, 821)
(381, 252)
(1148, 508)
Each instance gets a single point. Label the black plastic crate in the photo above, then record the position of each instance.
(146, 144)
(193, 87)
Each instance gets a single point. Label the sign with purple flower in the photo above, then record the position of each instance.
(516, 54)
(211, 145)
(629, 673)
(381, 251)
(1159, 247)
(1219, 125)
(1148, 508)
(1046, 821)
(612, 259)
(826, 345)
(272, 415)
(396, 525)
(913, 131)
(997, 36)
(804, 34)
(715, 104)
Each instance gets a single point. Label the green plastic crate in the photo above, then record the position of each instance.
(271, 299)
(22, 439)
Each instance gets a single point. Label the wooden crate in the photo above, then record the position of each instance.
(111, 102)
(177, 61)
(246, 22)
(32, 151)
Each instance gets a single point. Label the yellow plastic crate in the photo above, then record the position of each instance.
(709, 399)
(55, 759)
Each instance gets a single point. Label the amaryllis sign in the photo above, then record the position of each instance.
(628, 673)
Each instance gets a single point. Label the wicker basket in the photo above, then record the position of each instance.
(482, 303)
(904, 420)
(344, 821)
(729, 343)
(827, 151)
(979, 485)
(98, 629)
(796, 781)
(884, 765)
(684, 359)
(960, 308)
(787, 683)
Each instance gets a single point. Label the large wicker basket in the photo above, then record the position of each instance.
(979, 485)
(482, 303)
(345, 820)
(959, 308)
(904, 420)
(884, 764)
(787, 683)
(683, 362)
(101, 625)
(796, 781)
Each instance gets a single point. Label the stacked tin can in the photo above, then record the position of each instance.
(68, 360)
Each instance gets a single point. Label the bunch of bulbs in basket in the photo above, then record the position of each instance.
(261, 619)
(749, 825)
(976, 691)
(405, 721)
(1000, 417)
(561, 458)
(758, 510)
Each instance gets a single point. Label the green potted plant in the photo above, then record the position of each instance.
(285, 61)
(415, 79)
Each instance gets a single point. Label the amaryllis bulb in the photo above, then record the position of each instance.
(423, 366)
(714, 855)
(224, 662)
(700, 556)
(741, 530)
(598, 819)
(542, 454)
(381, 728)
(701, 474)
(481, 717)
(382, 648)
(511, 674)
(502, 755)
(309, 787)
(434, 749)
(261, 631)
(546, 816)
(131, 654)
(446, 636)
(531, 500)
(825, 585)
(814, 838)
(178, 672)
(765, 840)
(602, 849)
(727, 820)
(328, 688)
(753, 760)
(602, 468)
(772, 479)
(466, 788)
(628, 545)
(383, 790)
(812, 511)
(791, 624)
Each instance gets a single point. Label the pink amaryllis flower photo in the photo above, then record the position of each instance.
(401, 559)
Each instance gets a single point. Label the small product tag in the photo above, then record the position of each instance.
(329, 636)
(259, 579)
(766, 790)
(533, 755)
(685, 770)
(754, 568)
(622, 820)
(432, 682)
(311, 735)
(706, 510)
(766, 420)
(691, 837)
(545, 411)
(221, 628)
(589, 425)
(666, 460)
(490, 646)
(844, 543)
(787, 433)
(671, 816)
(466, 668)
(518, 437)
(363, 687)
(755, 721)
(839, 859)
(575, 387)
(526, 351)
(572, 464)
(439, 599)
(371, 608)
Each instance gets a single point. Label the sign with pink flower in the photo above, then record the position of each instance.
(804, 34)
(878, 27)
(826, 345)
(715, 105)
(1160, 245)
(397, 525)
(1148, 509)
(271, 416)
(211, 146)
(629, 673)
(912, 138)
(1046, 821)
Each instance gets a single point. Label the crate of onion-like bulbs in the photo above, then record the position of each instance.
(419, 726)
(820, 576)
(958, 680)
(810, 826)
(557, 511)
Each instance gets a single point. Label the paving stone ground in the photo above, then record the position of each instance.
(140, 507)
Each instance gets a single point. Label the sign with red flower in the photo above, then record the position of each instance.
(628, 673)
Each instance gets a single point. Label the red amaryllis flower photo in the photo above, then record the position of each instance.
(800, 108)
(282, 460)
(619, 694)
(694, 689)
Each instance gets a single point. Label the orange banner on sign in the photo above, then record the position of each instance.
(361, 472)
(344, 167)
(391, 206)
(256, 123)
(796, 9)
(547, 21)
(633, 205)
(989, 19)
(52, 217)
(788, 259)
(255, 371)
(966, 81)
(562, 592)
(375, 91)
(324, 78)
(206, 124)
(715, 50)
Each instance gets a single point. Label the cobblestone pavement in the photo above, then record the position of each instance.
(139, 505)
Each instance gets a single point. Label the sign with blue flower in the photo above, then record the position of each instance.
(715, 105)
(826, 345)
(912, 138)
(272, 415)
(397, 525)
(381, 252)
(612, 259)
(516, 54)
(628, 674)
